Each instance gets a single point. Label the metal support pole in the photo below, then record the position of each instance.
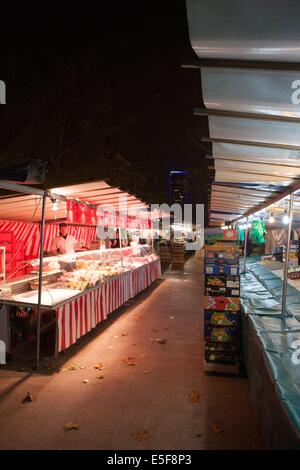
(120, 242)
(38, 336)
(287, 255)
(245, 247)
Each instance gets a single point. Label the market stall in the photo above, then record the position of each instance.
(71, 293)
(252, 109)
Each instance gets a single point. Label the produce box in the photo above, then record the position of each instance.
(220, 257)
(219, 269)
(215, 318)
(221, 303)
(219, 234)
(226, 247)
(221, 334)
(222, 357)
(228, 286)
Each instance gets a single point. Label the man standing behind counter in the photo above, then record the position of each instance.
(64, 243)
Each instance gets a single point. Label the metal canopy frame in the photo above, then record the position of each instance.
(250, 84)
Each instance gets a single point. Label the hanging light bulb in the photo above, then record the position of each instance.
(271, 219)
(54, 206)
(285, 218)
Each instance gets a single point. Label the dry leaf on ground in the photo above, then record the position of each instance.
(28, 398)
(100, 377)
(82, 367)
(124, 334)
(129, 361)
(161, 341)
(99, 366)
(71, 367)
(193, 397)
(216, 428)
(141, 436)
(85, 381)
(71, 426)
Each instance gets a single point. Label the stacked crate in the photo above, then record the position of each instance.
(165, 254)
(222, 318)
(178, 252)
(293, 254)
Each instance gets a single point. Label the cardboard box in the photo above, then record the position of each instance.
(221, 318)
(225, 247)
(231, 304)
(228, 286)
(222, 334)
(219, 234)
(222, 269)
(220, 257)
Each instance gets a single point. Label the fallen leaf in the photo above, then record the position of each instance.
(129, 361)
(100, 377)
(124, 334)
(193, 397)
(82, 367)
(71, 426)
(64, 369)
(99, 366)
(86, 381)
(216, 428)
(141, 436)
(136, 317)
(161, 341)
(71, 367)
(28, 398)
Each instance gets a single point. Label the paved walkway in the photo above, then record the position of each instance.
(141, 406)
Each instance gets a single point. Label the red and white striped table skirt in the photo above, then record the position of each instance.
(81, 315)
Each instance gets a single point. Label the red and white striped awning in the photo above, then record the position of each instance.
(28, 208)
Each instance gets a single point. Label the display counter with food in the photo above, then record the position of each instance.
(83, 288)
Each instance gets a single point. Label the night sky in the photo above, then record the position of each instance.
(94, 89)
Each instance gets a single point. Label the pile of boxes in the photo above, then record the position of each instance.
(293, 254)
(222, 318)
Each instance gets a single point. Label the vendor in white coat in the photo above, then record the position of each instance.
(64, 243)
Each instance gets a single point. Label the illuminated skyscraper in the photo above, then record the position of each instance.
(178, 187)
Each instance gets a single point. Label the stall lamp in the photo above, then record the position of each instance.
(54, 206)
(271, 219)
(285, 218)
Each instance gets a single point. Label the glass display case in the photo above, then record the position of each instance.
(65, 276)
